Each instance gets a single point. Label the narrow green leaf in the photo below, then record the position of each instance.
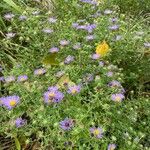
(12, 4)
(17, 143)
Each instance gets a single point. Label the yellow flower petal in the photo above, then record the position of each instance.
(102, 49)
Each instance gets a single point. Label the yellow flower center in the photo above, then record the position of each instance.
(112, 148)
(40, 71)
(96, 132)
(13, 103)
(73, 91)
(22, 79)
(118, 99)
(51, 94)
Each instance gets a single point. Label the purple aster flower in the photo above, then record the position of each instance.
(47, 30)
(75, 25)
(64, 42)
(35, 12)
(40, 71)
(109, 74)
(101, 63)
(67, 124)
(84, 27)
(113, 19)
(9, 79)
(22, 17)
(147, 45)
(10, 35)
(53, 89)
(53, 96)
(11, 101)
(89, 2)
(114, 83)
(9, 16)
(90, 37)
(96, 132)
(77, 46)
(111, 146)
(107, 12)
(19, 122)
(74, 89)
(88, 77)
(117, 97)
(90, 27)
(60, 74)
(52, 20)
(114, 27)
(22, 78)
(69, 59)
(54, 49)
(2, 78)
(95, 56)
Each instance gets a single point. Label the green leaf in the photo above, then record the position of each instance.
(17, 143)
(13, 5)
(50, 59)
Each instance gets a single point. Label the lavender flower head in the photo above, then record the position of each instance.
(64, 42)
(54, 50)
(77, 46)
(114, 83)
(22, 18)
(19, 122)
(66, 124)
(95, 56)
(147, 45)
(22, 78)
(96, 132)
(74, 89)
(47, 30)
(109, 74)
(88, 78)
(90, 37)
(9, 79)
(75, 25)
(11, 101)
(111, 146)
(2, 79)
(117, 97)
(69, 59)
(40, 71)
(52, 20)
(101, 63)
(10, 35)
(114, 27)
(53, 95)
(113, 20)
(9, 16)
(90, 27)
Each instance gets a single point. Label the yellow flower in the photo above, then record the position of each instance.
(102, 49)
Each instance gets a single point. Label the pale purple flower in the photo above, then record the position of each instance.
(60, 74)
(75, 25)
(40, 71)
(107, 12)
(74, 89)
(2, 78)
(89, 2)
(22, 78)
(53, 95)
(111, 147)
(95, 56)
(114, 27)
(77, 46)
(11, 101)
(10, 35)
(113, 20)
(54, 49)
(47, 30)
(117, 97)
(109, 74)
(88, 77)
(84, 27)
(9, 16)
(66, 124)
(69, 59)
(114, 83)
(52, 20)
(19, 122)
(64, 42)
(96, 132)
(9, 79)
(101, 63)
(147, 45)
(90, 37)
(22, 17)
(90, 27)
